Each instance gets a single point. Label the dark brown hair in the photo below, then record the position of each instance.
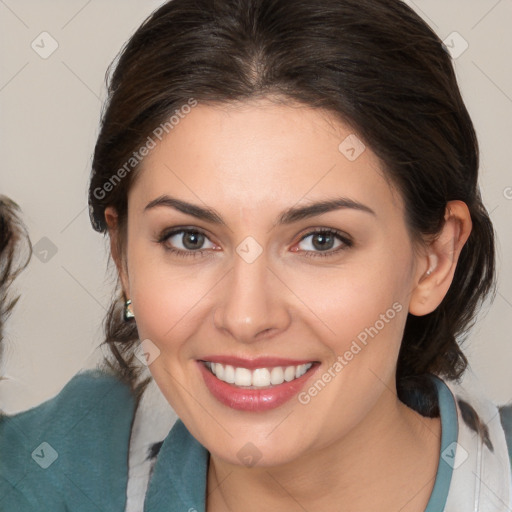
(375, 64)
(15, 254)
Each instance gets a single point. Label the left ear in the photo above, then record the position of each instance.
(437, 267)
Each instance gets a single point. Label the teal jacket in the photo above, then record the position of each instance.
(71, 454)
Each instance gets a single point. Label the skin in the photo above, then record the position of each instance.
(354, 443)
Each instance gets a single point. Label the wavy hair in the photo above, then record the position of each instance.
(15, 254)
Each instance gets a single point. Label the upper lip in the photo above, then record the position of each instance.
(259, 362)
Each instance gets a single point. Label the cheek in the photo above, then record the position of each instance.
(360, 300)
(167, 299)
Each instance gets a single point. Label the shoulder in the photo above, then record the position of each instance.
(481, 466)
(69, 452)
(90, 397)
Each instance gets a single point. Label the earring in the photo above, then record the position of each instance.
(429, 272)
(128, 312)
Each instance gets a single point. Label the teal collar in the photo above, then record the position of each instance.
(449, 436)
(179, 475)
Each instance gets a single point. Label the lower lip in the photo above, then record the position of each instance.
(255, 400)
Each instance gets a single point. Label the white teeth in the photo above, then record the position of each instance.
(242, 377)
(258, 378)
(289, 373)
(300, 371)
(276, 375)
(229, 374)
(219, 370)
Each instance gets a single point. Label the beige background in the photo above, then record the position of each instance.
(49, 115)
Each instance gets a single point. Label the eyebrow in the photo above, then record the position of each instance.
(289, 216)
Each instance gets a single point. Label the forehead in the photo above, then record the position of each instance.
(262, 153)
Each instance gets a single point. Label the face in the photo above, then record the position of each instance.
(260, 293)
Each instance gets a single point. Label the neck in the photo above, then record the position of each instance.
(387, 463)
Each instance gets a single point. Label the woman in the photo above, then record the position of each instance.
(290, 192)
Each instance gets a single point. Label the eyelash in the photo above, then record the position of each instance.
(347, 243)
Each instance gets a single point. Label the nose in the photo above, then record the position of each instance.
(253, 302)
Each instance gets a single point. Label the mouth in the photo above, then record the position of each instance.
(259, 378)
(256, 385)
